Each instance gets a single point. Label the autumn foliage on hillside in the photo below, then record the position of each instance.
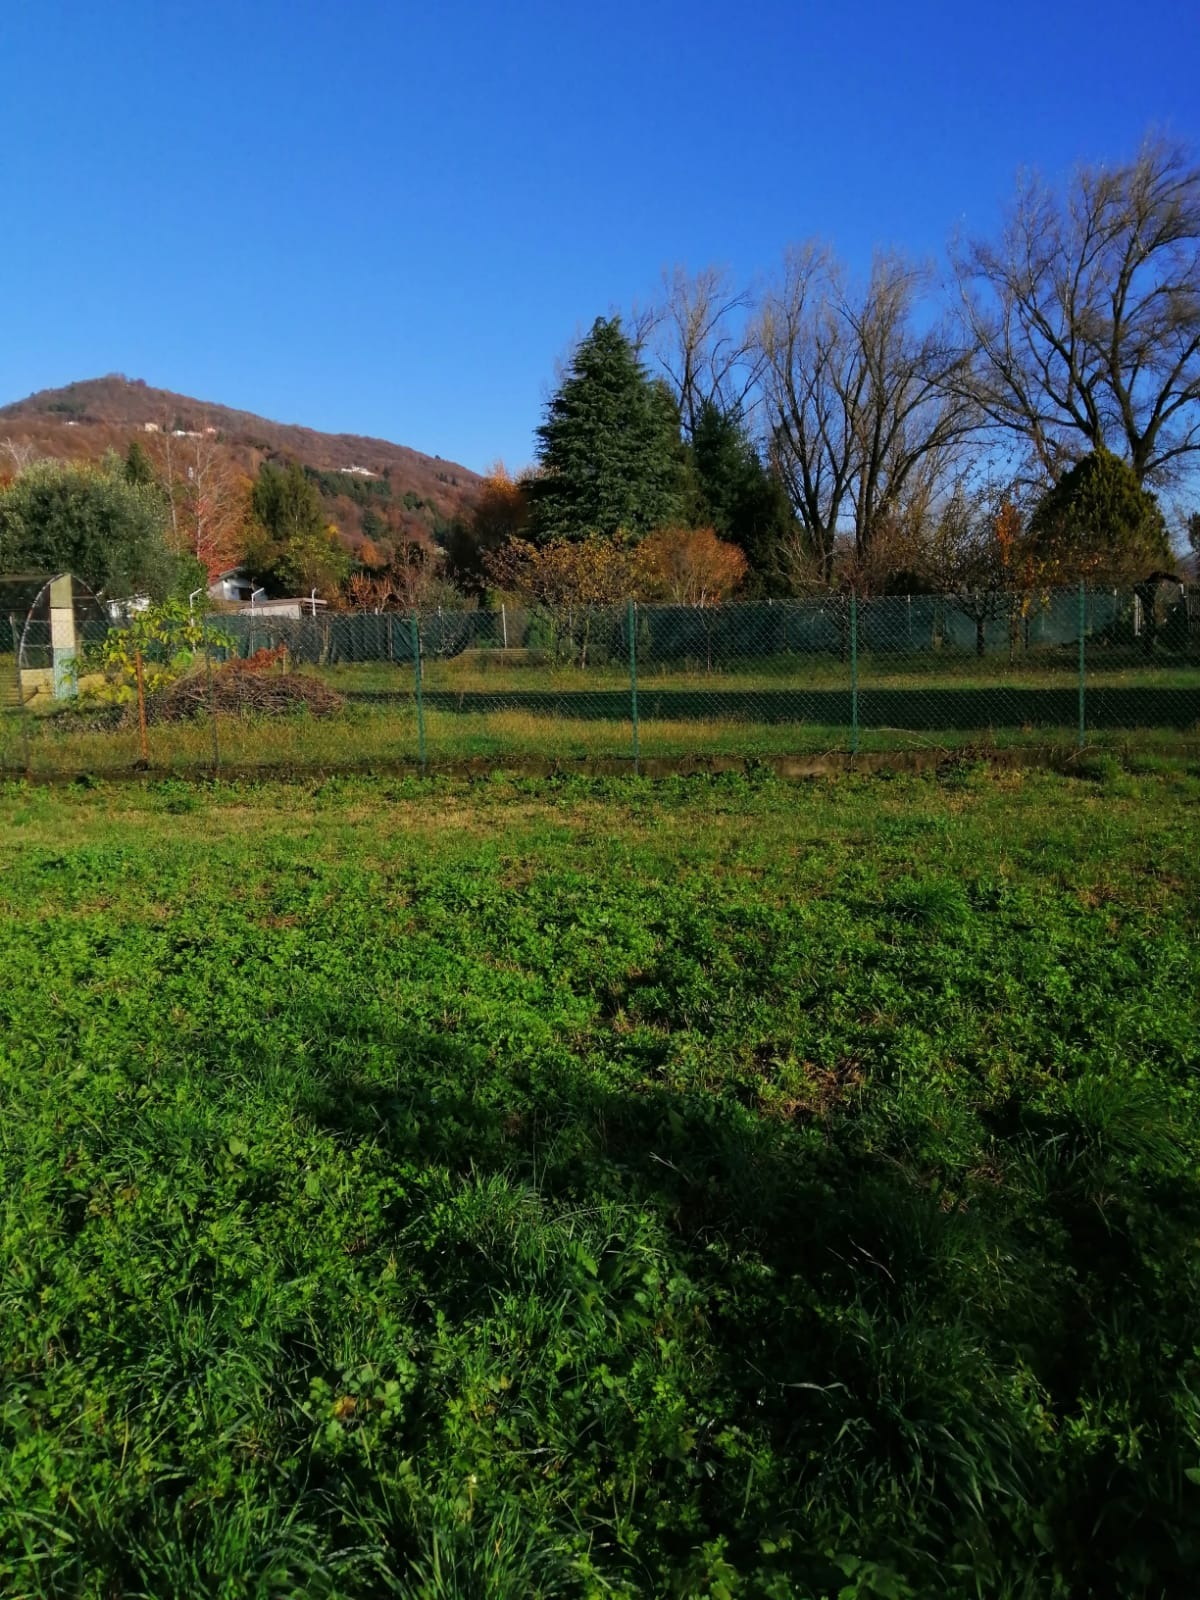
(207, 456)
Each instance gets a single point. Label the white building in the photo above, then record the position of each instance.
(237, 584)
(294, 608)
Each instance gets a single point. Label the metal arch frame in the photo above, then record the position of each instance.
(77, 585)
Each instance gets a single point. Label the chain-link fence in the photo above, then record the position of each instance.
(635, 684)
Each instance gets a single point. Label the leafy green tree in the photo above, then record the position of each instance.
(286, 503)
(609, 450)
(91, 521)
(315, 559)
(293, 549)
(1099, 523)
(736, 495)
(137, 466)
(167, 637)
(373, 525)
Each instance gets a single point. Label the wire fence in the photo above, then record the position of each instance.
(836, 674)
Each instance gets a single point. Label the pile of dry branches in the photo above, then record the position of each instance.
(249, 693)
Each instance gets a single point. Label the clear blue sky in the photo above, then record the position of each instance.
(391, 218)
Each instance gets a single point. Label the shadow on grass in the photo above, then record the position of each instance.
(920, 710)
(930, 1369)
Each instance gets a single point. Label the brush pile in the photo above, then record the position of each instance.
(241, 693)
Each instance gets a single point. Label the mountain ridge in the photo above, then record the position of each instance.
(85, 418)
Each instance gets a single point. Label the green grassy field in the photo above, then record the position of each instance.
(382, 734)
(497, 706)
(713, 1188)
(484, 671)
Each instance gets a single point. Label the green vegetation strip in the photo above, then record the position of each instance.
(709, 1188)
(382, 735)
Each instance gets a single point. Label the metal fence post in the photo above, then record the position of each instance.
(416, 649)
(853, 674)
(22, 713)
(631, 617)
(1082, 665)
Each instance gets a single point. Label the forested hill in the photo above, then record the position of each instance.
(87, 418)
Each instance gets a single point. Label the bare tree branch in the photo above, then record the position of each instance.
(1086, 316)
(699, 334)
(866, 411)
(18, 453)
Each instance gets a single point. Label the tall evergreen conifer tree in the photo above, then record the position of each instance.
(1099, 522)
(735, 494)
(610, 452)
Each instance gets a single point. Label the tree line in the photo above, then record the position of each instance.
(1008, 427)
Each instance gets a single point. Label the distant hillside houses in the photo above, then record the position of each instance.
(181, 433)
(373, 488)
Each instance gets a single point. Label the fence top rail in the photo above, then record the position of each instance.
(1032, 598)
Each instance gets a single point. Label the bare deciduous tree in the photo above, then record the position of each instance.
(865, 407)
(16, 454)
(699, 334)
(1086, 315)
(414, 577)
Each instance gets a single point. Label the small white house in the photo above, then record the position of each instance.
(293, 608)
(236, 584)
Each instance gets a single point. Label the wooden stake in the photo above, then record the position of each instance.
(141, 691)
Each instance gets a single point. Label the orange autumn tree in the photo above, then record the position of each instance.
(208, 497)
(570, 580)
(365, 591)
(567, 572)
(502, 509)
(687, 566)
(411, 579)
(501, 514)
(217, 516)
(690, 566)
(371, 556)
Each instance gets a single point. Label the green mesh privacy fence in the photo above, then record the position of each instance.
(636, 683)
